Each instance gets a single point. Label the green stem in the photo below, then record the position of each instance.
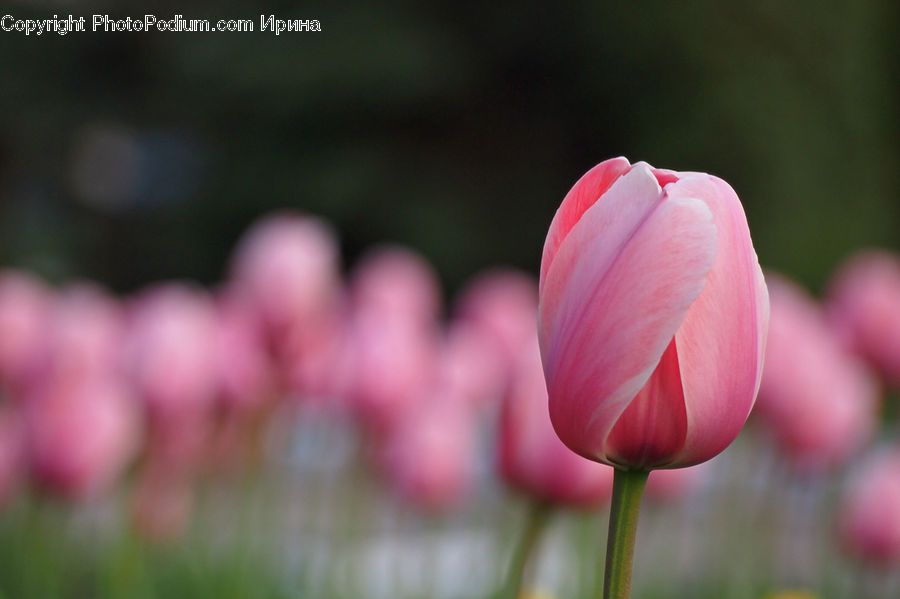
(628, 487)
(538, 515)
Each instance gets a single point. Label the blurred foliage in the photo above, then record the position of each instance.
(454, 128)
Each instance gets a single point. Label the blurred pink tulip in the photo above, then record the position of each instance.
(394, 336)
(24, 314)
(80, 436)
(171, 350)
(819, 401)
(245, 374)
(84, 335)
(864, 306)
(653, 316)
(532, 458)
(394, 365)
(428, 456)
(503, 305)
(288, 267)
(468, 364)
(318, 365)
(395, 280)
(869, 518)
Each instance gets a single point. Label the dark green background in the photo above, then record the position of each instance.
(455, 128)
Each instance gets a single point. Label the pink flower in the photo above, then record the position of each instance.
(25, 304)
(653, 316)
(287, 266)
(245, 375)
(468, 364)
(428, 455)
(864, 305)
(503, 305)
(395, 280)
(819, 401)
(80, 436)
(394, 336)
(532, 458)
(170, 352)
(394, 365)
(84, 336)
(869, 519)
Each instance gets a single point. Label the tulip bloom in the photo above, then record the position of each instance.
(864, 306)
(80, 437)
(653, 316)
(25, 307)
(869, 519)
(427, 457)
(287, 266)
(819, 401)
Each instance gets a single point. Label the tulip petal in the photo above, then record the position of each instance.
(623, 208)
(582, 196)
(721, 342)
(618, 288)
(654, 426)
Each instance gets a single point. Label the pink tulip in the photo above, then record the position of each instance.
(820, 402)
(170, 353)
(80, 436)
(244, 372)
(532, 458)
(653, 316)
(24, 313)
(468, 364)
(503, 305)
(394, 336)
(287, 266)
(394, 365)
(395, 280)
(869, 519)
(864, 305)
(84, 336)
(428, 455)
(318, 365)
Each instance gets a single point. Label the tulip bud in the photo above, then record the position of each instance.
(864, 306)
(653, 316)
(819, 401)
(869, 518)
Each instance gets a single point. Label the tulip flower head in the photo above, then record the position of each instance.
(653, 316)
(287, 267)
(25, 305)
(819, 401)
(80, 436)
(502, 304)
(869, 519)
(85, 335)
(864, 306)
(427, 456)
(170, 353)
